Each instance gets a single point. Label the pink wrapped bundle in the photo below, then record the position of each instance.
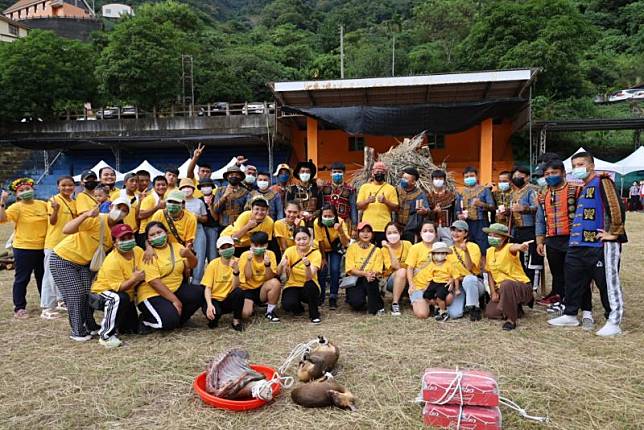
(449, 386)
(472, 417)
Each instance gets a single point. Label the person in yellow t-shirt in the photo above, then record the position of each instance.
(301, 263)
(29, 217)
(378, 200)
(85, 200)
(330, 232)
(107, 177)
(184, 221)
(509, 285)
(221, 286)
(143, 182)
(283, 229)
(70, 263)
(420, 253)
(113, 289)
(466, 259)
(249, 222)
(150, 205)
(394, 257)
(435, 285)
(258, 279)
(364, 260)
(165, 299)
(61, 209)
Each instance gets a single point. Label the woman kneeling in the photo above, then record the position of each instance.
(364, 260)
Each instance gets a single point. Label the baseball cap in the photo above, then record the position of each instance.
(176, 196)
(223, 240)
(120, 201)
(460, 225)
(120, 230)
(88, 174)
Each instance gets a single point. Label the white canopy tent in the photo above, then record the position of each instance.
(632, 163)
(216, 175)
(145, 165)
(98, 167)
(600, 165)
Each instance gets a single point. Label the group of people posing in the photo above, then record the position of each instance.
(149, 257)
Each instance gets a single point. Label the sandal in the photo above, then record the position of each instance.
(508, 326)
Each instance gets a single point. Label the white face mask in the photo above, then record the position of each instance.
(262, 185)
(188, 191)
(250, 179)
(206, 191)
(427, 236)
(305, 177)
(393, 238)
(116, 214)
(438, 183)
(439, 257)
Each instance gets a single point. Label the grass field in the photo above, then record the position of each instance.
(579, 380)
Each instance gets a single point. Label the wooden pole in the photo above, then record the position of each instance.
(486, 152)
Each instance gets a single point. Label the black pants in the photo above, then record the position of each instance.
(159, 313)
(367, 294)
(436, 290)
(27, 261)
(119, 313)
(556, 262)
(293, 297)
(530, 259)
(233, 303)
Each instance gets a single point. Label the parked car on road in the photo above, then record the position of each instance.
(129, 112)
(253, 108)
(109, 112)
(622, 95)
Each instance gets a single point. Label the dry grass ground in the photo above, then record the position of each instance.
(580, 380)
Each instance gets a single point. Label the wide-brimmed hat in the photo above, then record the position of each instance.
(440, 247)
(186, 182)
(282, 166)
(234, 169)
(497, 228)
(308, 164)
(206, 183)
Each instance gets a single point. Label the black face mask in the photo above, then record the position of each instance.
(90, 185)
(519, 181)
(234, 180)
(379, 177)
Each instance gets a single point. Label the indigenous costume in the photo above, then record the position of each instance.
(228, 210)
(522, 228)
(444, 199)
(503, 198)
(343, 198)
(306, 195)
(477, 217)
(409, 201)
(275, 208)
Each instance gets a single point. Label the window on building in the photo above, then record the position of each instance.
(13, 30)
(436, 140)
(356, 143)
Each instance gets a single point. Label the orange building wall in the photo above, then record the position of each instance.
(461, 149)
(39, 11)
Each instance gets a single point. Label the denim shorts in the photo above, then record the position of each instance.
(416, 295)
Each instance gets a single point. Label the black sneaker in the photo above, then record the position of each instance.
(333, 304)
(237, 327)
(143, 329)
(272, 317)
(441, 316)
(508, 326)
(475, 314)
(213, 323)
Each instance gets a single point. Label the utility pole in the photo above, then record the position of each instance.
(393, 55)
(341, 51)
(188, 87)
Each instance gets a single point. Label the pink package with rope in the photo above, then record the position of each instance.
(462, 418)
(460, 387)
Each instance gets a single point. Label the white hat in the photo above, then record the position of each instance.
(440, 247)
(223, 240)
(282, 166)
(121, 201)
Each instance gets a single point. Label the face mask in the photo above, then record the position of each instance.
(26, 195)
(504, 186)
(439, 257)
(262, 185)
(305, 177)
(188, 191)
(206, 191)
(127, 245)
(553, 181)
(438, 183)
(227, 253)
(116, 214)
(379, 177)
(404, 183)
(541, 182)
(250, 179)
(580, 173)
(337, 177)
(328, 221)
(258, 251)
(173, 208)
(393, 238)
(283, 178)
(494, 241)
(427, 236)
(90, 185)
(234, 180)
(518, 181)
(470, 181)
(159, 241)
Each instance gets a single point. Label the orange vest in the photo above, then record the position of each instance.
(559, 209)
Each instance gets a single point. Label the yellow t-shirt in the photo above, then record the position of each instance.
(377, 214)
(321, 238)
(434, 272)
(257, 280)
(281, 229)
(79, 247)
(504, 266)
(85, 202)
(115, 194)
(356, 256)
(419, 256)
(297, 277)
(66, 213)
(115, 270)
(218, 278)
(186, 226)
(401, 253)
(130, 219)
(149, 202)
(266, 226)
(161, 268)
(475, 256)
(30, 220)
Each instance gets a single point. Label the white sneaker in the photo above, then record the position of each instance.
(49, 314)
(381, 312)
(609, 329)
(395, 309)
(564, 321)
(61, 306)
(587, 324)
(111, 342)
(81, 338)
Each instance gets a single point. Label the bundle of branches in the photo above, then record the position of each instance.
(409, 153)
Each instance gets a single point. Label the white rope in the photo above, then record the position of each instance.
(510, 404)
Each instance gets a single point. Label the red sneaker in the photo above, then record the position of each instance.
(548, 300)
